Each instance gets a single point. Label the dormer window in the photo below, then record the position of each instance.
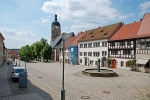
(105, 34)
(92, 36)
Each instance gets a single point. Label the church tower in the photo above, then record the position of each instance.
(55, 29)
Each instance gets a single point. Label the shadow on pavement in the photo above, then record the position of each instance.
(31, 88)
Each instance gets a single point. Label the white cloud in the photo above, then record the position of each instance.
(17, 39)
(81, 11)
(125, 16)
(44, 20)
(34, 21)
(145, 7)
(82, 26)
(27, 33)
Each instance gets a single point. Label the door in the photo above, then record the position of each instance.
(114, 63)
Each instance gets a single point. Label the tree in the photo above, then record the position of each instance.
(109, 62)
(28, 52)
(43, 42)
(131, 64)
(46, 52)
(37, 49)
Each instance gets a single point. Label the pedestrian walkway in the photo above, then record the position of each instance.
(5, 90)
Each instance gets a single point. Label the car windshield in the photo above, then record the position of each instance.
(19, 70)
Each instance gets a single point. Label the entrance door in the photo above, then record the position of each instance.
(104, 62)
(114, 63)
(85, 61)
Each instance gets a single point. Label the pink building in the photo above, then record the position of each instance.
(1, 48)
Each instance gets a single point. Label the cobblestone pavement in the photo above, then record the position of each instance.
(46, 80)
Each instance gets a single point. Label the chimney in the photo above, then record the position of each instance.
(98, 26)
(141, 19)
(134, 21)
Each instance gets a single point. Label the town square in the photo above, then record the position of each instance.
(75, 50)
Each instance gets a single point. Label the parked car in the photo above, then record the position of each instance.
(15, 72)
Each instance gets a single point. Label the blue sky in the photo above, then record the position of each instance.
(27, 21)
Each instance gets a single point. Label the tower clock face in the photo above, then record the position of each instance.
(57, 27)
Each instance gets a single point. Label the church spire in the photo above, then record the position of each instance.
(55, 17)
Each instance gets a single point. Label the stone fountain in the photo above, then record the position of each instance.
(97, 72)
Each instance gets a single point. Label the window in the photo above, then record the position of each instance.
(95, 54)
(81, 45)
(148, 45)
(89, 45)
(97, 44)
(122, 43)
(85, 45)
(128, 43)
(105, 44)
(122, 63)
(85, 53)
(104, 53)
(91, 62)
(112, 44)
(89, 53)
(80, 53)
(114, 52)
(80, 60)
(127, 52)
(142, 45)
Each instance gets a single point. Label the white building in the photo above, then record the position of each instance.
(93, 45)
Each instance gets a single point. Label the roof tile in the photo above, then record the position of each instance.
(127, 31)
(104, 32)
(144, 29)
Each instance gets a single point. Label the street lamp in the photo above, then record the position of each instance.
(63, 90)
(25, 57)
(25, 62)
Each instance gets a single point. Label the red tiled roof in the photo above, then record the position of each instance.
(127, 31)
(104, 32)
(144, 29)
(74, 40)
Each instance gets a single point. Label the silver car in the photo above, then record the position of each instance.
(15, 72)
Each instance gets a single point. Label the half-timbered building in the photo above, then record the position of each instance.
(121, 45)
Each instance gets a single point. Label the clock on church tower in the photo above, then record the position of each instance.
(55, 29)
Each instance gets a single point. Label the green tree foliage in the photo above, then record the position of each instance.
(46, 52)
(109, 62)
(36, 50)
(131, 63)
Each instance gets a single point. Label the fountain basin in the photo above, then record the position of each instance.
(103, 73)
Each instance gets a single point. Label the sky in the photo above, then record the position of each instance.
(24, 22)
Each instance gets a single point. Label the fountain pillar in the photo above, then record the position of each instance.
(98, 65)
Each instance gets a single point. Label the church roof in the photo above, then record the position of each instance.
(55, 22)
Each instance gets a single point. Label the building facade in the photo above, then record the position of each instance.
(93, 45)
(143, 44)
(122, 46)
(1, 49)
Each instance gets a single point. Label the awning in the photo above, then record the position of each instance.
(142, 61)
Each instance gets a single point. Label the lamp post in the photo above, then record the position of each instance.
(25, 58)
(25, 62)
(63, 90)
